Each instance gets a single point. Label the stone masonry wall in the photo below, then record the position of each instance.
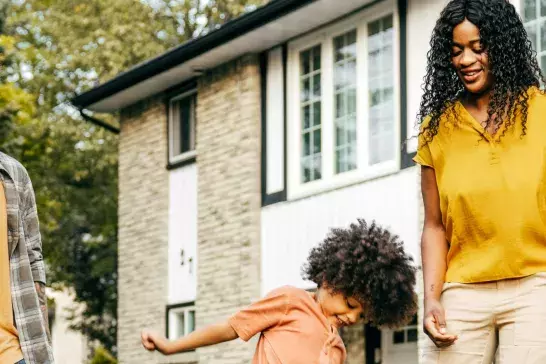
(228, 158)
(143, 228)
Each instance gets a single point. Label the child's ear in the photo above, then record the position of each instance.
(321, 290)
(324, 286)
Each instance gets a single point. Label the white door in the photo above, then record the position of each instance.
(182, 234)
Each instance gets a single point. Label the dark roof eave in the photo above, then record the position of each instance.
(189, 50)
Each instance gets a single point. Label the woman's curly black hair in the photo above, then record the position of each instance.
(369, 264)
(512, 61)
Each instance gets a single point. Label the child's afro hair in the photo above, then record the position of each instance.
(369, 264)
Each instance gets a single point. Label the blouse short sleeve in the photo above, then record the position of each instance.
(423, 155)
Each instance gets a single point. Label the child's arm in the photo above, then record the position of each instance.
(259, 316)
(209, 335)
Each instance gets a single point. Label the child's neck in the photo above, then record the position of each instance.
(314, 296)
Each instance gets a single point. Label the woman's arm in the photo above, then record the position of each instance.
(434, 255)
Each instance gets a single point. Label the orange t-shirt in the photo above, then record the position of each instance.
(293, 330)
(10, 350)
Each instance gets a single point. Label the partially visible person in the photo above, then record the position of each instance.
(361, 273)
(24, 329)
(482, 149)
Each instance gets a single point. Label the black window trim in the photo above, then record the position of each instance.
(178, 92)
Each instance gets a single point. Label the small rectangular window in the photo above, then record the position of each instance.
(310, 103)
(345, 88)
(534, 19)
(181, 321)
(408, 334)
(182, 125)
(381, 90)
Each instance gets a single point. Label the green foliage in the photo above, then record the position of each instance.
(102, 356)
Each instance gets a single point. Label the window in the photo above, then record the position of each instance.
(534, 18)
(381, 90)
(180, 320)
(311, 114)
(345, 101)
(407, 335)
(343, 118)
(182, 127)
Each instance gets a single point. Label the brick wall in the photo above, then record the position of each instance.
(143, 227)
(228, 157)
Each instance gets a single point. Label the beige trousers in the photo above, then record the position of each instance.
(508, 316)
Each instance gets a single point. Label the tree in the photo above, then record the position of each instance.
(16, 106)
(53, 50)
(196, 17)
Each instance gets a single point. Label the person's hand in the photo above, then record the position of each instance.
(434, 324)
(147, 340)
(154, 341)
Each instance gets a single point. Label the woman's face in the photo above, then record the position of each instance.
(470, 59)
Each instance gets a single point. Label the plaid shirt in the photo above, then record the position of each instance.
(26, 262)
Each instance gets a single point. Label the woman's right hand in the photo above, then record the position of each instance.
(434, 324)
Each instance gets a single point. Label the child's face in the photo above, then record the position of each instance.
(338, 309)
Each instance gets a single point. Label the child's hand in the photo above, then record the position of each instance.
(147, 341)
(153, 341)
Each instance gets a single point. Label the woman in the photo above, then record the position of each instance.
(482, 148)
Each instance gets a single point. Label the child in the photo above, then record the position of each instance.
(360, 272)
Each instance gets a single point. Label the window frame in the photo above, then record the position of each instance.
(406, 346)
(539, 25)
(325, 37)
(345, 91)
(405, 330)
(188, 156)
(171, 311)
(312, 99)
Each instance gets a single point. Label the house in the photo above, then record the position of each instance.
(240, 149)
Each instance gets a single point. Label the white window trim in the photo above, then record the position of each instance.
(187, 155)
(518, 4)
(325, 36)
(538, 22)
(391, 347)
(173, 312)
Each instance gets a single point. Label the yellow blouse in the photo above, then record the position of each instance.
(492, 194)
